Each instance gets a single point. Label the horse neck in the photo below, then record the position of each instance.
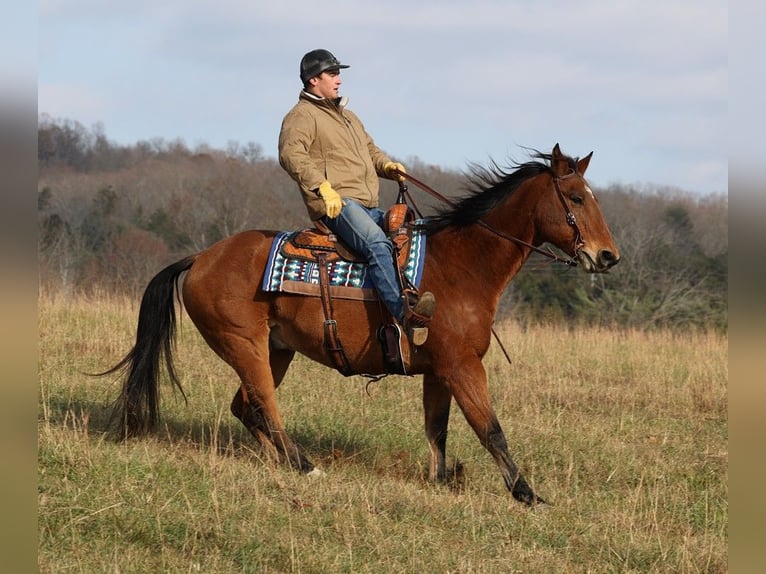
(481, 259)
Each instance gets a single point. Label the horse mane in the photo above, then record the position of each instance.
(487, 187)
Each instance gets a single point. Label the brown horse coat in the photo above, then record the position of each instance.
(472, 255)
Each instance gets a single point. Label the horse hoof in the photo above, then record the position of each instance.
(315, 473)
(541, 506)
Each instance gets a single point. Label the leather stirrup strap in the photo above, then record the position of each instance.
(331, 340)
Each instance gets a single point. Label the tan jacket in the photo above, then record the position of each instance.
(320, 141)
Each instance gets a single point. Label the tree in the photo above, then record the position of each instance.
(113, 215)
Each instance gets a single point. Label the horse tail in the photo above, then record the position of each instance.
(136, 410)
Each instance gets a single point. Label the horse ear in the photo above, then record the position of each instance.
(582, 165)
(559, 162)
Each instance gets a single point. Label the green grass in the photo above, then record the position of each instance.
(625, 433)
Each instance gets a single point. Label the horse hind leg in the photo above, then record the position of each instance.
(268, 430)
(264, 423)
(437, 400)
(279, 361)
(253, 420)
(254, 404)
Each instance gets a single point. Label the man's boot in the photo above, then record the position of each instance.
(416, 318)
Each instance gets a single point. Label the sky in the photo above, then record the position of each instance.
(642, 84)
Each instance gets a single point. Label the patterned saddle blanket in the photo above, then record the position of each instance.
(295, 270)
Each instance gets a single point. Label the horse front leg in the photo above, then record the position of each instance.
(437, 399)
(468, 383)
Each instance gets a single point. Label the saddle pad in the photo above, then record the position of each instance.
(348, 280)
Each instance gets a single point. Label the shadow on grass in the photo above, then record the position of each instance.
(229, 438)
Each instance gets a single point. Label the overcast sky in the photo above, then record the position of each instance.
(643, 84)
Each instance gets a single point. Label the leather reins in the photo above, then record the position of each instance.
(578, 242)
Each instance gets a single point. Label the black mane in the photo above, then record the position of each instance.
(487, 187)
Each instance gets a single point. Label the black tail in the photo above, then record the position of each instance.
(136, 411)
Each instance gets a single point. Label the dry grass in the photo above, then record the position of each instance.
(624, 432)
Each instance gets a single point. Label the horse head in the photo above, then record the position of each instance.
(570, 216)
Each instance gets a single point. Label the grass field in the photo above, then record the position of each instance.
(625, 433)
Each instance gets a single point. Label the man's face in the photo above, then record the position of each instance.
(327, 84)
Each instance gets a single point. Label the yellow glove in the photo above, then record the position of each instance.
(390, 169)
(332, 200)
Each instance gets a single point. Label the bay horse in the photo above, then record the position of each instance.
(475, 247)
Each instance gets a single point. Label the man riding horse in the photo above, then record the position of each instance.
(326, 150)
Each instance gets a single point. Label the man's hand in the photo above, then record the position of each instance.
(390, 169)
(333, 203)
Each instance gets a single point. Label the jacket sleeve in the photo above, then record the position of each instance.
(295, 138)
(378, 156)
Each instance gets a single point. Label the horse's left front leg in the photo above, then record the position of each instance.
(468, 382)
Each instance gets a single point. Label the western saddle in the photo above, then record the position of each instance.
(320, 245)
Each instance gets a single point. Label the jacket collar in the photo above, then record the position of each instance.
(339, 103)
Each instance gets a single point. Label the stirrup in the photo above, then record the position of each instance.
(417, 318)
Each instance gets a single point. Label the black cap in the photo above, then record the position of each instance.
(316, 62)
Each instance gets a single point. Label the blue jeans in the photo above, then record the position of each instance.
(360, 229)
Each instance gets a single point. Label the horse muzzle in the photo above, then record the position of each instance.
(604, 260)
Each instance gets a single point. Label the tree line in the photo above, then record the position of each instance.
(110, 216)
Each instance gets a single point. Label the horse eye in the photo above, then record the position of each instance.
(576, 199)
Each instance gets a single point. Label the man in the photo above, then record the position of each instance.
(326, 150)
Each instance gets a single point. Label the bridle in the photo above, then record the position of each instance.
(577, 243)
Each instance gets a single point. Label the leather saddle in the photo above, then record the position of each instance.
(319, 245)
(306, 244)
